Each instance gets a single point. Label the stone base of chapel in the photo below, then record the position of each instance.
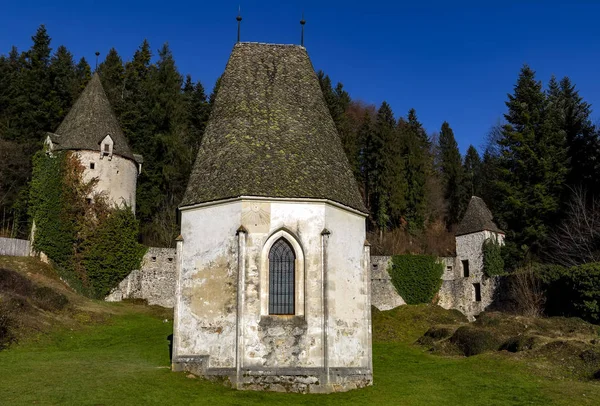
(294, 380)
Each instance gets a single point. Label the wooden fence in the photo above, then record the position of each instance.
(14, 247)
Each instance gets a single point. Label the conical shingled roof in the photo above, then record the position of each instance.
(270, 133)
(477, 218)
(90, 120)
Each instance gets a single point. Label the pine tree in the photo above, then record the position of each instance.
(472, 171)
(583, 140)
(112, 75)
(366, 135)
(197, 112)
(36, 111)
(532, 165)
(83, 74)
(418, 166)
(136, 102)
(376, 160)
(452, 173)
(62, 79)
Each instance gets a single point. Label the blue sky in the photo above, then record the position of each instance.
(453, 61)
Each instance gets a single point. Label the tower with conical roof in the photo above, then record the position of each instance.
(92, 131)
(466, 287)
(273, 288)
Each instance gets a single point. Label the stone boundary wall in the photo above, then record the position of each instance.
(154, 282)
(383, 292)
(14, 247)
(457, 292)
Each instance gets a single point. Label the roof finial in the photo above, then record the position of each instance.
(239, 20)
(97, 55)
(302, 22)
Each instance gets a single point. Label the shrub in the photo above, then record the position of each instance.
(435, 334)
(573, 291)
(48, 299)
(493, 263)
(472, 341)
(417, 278)
(14, 283)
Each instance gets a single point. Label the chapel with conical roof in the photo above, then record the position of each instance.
(273, 284)
(91, 130)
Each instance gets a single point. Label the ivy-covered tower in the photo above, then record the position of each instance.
(92, 131)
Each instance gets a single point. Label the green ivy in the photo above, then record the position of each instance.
(493, 262)
(417, 278)
(113, 251)
(54, 233)
(93, 246)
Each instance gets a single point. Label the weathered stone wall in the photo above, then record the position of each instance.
(457, 291)
(155, 281)
(117, 176)
(221, 313)
(14, 247)
(383, 293)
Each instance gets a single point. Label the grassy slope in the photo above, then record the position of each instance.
(125, 360)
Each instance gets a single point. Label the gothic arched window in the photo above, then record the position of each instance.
(282, 287)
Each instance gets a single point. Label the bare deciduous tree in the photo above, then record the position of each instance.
(576, 240)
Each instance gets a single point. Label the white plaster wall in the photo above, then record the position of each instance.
(348, 296)
(205, 308)
(117, 177)
(205, 313)
(304, 221)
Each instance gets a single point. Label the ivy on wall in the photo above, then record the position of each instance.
(417, 278)
(493, 263)
(93, 246)
(112, 252)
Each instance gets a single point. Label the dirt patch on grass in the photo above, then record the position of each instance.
(557, 346)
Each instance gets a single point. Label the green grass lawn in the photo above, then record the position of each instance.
(125, 361)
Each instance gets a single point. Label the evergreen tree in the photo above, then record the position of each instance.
(452, 173)
(583, 140)
(418, 166)
(472, 169)
(532, 165)
(366, 135)
(376, 157)
(197, 113)
(83, 74)
(62, 79)
(112, 74)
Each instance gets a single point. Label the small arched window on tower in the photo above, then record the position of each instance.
(282, 289)
(106, 147)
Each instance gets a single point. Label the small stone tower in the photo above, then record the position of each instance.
(273, 285)
(92, 131)
(465, 286)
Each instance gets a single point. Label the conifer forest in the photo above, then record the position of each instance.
(537, 169)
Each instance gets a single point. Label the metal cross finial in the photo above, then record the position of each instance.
(97, 55)
(239, 20)
(302, 22)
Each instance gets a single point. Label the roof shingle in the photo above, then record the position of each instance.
(90, 120)
(270, 133)
(477, 218)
